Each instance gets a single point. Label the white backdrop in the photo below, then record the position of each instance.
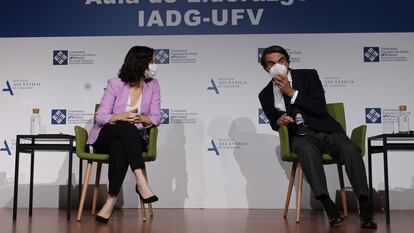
(247, 172)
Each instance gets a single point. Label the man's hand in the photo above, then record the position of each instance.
(283, 84)
(284, 120)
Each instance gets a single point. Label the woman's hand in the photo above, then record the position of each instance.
(130, 117)
(143, 119)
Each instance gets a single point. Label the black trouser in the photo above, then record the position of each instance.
(124, 144)
(309, 149)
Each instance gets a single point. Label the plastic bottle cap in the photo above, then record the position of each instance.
(403, 107)
(36, 111)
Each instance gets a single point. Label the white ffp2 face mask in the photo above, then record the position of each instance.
(277, 69)
(151, 71)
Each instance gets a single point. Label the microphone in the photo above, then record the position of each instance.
(300, 128)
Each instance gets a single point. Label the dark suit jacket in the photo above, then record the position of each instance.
(310, 101)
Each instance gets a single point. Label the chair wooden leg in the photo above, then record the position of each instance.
(290, 187)
(299, 194)
(96, 188)
(84, 189)
(343, 192)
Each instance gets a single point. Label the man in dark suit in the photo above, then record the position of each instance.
(295, 98)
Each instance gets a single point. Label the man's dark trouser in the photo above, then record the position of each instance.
(309, 149)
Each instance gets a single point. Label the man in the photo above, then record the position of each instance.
(295, 98)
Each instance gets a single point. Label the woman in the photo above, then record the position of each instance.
(129, 105)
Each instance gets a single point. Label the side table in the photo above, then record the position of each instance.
(41, 142)
(387, 142)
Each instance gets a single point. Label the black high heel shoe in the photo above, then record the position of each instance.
(150, 199)
(101, 219)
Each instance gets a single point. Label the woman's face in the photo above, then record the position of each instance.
(151, 70)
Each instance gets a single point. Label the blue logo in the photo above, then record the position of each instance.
(6, 148)
(373, 115)
(60, 57)
(371, 54)
(8, 88)
(213, 148)
(259, 54)
(262, 117)
(165, 116)
(162, 56)
(213, 87)
(58, 117)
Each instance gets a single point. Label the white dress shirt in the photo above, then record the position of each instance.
(129, 106)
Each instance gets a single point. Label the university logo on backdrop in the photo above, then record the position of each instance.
(71, 117)
(373, 115)
(178, 116)
(371, 54)
(385, 54)
(60, 57)
(162, 56)
(262, 117)
(7, 88)
(165, 116)
(73, 57)
(58, 117)
(175, 56)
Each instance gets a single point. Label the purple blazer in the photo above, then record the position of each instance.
(114, 101)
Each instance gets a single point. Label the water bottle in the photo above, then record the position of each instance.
(403, 120)
(35, 122)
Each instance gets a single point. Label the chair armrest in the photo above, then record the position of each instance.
(284, 143)
(358, 137)
(151, 155)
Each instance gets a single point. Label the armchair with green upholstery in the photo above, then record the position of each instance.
(358, 136)
(82, 151)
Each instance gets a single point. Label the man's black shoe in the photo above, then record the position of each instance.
(335, 217)
(368, 222)
(336, 221)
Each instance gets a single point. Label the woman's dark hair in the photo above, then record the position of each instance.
(273, 49)
(135, 63)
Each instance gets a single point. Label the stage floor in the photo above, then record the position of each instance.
(195, 221)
